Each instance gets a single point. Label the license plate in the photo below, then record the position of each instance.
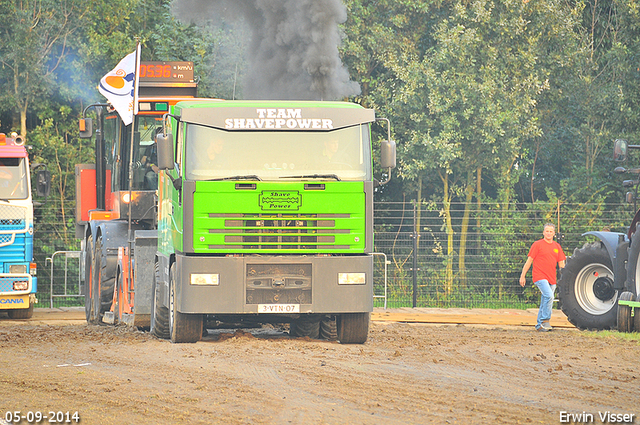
(278, 308)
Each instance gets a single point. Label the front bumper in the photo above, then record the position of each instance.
(262, 284)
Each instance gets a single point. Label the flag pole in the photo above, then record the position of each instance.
(133, 131)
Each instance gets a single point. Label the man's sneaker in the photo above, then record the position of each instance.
(541, 329)
(546, 326)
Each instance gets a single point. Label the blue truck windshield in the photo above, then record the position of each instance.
(13, 178)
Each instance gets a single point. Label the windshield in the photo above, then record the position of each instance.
(342, 154)
(13, 178)
(145, 153)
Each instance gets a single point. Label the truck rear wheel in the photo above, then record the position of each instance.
(182, 327)
(353, 328)
(159, 313)
(21, 313)
(305, 327)
(329, 329)
(586, 288)
(625, 321)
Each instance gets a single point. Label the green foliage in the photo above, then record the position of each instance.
(632, 337)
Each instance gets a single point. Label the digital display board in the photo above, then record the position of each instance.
(169, 71)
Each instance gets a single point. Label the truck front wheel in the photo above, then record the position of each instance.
(586, 288)
(159, 313)
(182, 327)
(353, 328)
(21, 313)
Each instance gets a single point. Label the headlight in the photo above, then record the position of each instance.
(20, 285)
(205, 279)
(351, 278)
(18, 268)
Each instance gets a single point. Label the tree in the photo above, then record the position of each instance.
(480, 85)
(593, 99)
(32, 48)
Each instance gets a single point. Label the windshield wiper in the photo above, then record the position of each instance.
(313, 176)
(249, 177)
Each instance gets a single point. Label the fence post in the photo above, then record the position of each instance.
(415, 257)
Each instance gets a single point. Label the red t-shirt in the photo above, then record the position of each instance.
(545, 257)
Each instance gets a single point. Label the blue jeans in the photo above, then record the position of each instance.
(546, 300)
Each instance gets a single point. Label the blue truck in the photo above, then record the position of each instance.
(18, 282)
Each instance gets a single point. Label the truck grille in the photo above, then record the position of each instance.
(6, 285)
(13, 221)
(278, 283)
(280, 231)
(12, 218)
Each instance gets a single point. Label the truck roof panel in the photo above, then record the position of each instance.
(274, 115)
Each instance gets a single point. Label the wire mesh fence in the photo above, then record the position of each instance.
(437, 255)
(64, 287)
(471, 255)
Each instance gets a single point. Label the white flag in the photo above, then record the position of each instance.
(119, 86)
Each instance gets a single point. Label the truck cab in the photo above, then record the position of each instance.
(18, 282)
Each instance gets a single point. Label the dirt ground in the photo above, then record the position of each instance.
(406, 373)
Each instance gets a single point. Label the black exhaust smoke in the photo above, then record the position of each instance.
(293, 51)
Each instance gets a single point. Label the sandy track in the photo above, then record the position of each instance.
(405, 373)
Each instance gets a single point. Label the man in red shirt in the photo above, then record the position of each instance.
(544, 254)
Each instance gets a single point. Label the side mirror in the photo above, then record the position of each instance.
(86, 128)
(620, 150)
(43, 183)
(388, 154)
(166, 160)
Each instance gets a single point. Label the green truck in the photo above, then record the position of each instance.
(265, 214)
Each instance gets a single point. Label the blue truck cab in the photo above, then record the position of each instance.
(18, 282)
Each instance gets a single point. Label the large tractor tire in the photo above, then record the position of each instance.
(625, 320)
(353, 328)
(585, 288)
(159, 312)
(105, 282)
(90, 284)
(182, 327)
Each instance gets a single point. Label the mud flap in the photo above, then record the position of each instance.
(146, 246)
